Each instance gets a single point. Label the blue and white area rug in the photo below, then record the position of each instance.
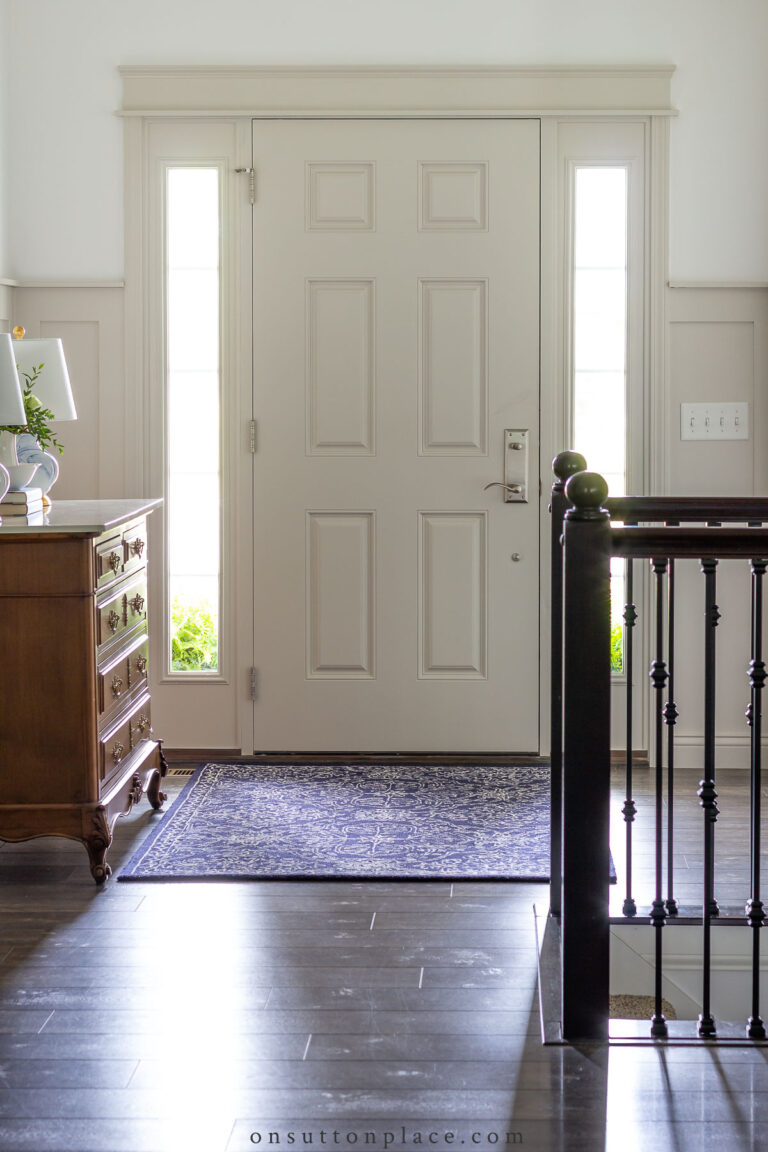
(366, 821)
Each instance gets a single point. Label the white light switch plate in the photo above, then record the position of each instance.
(715, 421)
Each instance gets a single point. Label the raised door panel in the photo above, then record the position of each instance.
(453, 363)
(340, 594)
(340, 326)
(452, 602)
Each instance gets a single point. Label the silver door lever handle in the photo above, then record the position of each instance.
(516, 488)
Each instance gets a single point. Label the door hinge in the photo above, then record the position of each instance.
(254, 683)
(251, 174)
(251, 435)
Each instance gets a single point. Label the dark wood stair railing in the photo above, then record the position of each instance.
(583, 542)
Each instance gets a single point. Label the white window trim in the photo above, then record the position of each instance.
(158, 146)
(577, 143)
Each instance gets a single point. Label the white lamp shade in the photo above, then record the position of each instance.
(52, 386)
(11, 403)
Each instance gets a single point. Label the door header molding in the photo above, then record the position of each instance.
(221, 90)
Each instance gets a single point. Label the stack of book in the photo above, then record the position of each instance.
(22, 502)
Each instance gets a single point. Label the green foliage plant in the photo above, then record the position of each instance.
(617, 649)
(194, 637)
(38, 418)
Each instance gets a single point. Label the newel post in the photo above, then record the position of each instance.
(586, 759)
(564, 465)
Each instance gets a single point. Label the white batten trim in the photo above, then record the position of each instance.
(214, 90)
(67, 283)
(717, 284)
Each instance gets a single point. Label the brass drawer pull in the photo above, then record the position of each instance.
(114, 560)
(118, 751)
(137, 603)
(137, 547)
(113, 620)
(117, 686)
(141, 664)
(140, 727)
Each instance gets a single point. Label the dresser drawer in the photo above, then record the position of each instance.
(108, 555)
(120, 554)
(121, 609)
(135, 547)
(124, 675)
(120, 739)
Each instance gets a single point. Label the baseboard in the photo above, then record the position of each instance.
(732, 751)
(185, 755)
(639, 759)
(234, 756)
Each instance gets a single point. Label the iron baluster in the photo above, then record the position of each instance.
(708, 795)
(658, 909)
(629, 810)
(755, 911)
(670, 718)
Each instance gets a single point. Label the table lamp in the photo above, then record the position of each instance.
(11, 410)
(51, 387)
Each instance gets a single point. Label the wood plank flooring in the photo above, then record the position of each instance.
(223, 1017)
(732, 887)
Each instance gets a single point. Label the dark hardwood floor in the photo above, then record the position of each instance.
(178, 1017)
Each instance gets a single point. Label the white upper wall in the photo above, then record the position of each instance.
(65, 183)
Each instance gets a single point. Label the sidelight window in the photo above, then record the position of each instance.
(193, 466)
(599, 349)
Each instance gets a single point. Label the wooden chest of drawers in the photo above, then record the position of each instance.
(77, 748)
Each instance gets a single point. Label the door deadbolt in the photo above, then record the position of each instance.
(515, 482)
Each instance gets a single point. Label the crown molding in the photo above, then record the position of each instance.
(216, 90)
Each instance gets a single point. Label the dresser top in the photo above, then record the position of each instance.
(78, 517)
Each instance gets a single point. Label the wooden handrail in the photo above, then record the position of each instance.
(688, 509)
(690, 543)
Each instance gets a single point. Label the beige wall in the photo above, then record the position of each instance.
(717, 350)
(90, 323)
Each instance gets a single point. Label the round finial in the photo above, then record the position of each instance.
(19, 333)
(566, 464)
(587, 491)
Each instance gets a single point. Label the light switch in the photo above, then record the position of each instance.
(727, 421)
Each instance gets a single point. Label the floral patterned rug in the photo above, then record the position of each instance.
(343, 821)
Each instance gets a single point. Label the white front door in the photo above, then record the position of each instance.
(396, 338)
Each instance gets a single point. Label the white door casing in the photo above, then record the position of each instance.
(396, 307)
(159, 108)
